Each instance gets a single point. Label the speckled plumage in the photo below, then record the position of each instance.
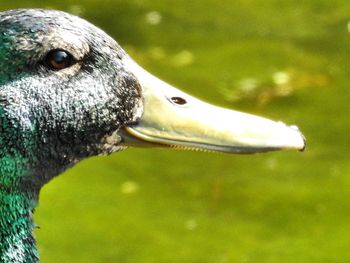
(52, 119)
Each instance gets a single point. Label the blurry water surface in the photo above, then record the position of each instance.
(287, 60)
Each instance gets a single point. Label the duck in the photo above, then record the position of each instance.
(69, 91)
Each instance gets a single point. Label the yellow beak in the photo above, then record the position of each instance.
(172, 118)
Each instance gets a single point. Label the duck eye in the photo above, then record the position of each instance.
(59, 59)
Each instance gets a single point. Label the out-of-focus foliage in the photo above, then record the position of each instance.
(287, 60)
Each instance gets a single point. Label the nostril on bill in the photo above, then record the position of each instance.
(178, 100)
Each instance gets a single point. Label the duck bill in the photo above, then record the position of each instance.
(172, 118)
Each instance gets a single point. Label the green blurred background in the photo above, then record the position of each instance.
(288, 60)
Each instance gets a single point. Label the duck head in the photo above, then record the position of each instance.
(69, 91)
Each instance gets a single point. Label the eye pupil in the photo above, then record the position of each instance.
(59, 59)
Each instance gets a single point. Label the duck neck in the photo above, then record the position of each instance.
(16, 226)
(18, 199)
(19, 188)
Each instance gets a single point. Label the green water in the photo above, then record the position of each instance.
(287, 60)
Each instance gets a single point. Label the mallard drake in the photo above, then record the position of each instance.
(69, 91)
